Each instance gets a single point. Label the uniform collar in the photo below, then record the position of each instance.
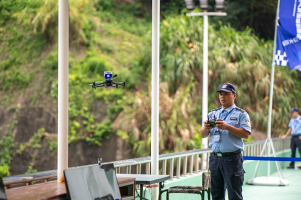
(228, 109)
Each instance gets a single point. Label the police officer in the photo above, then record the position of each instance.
(295, 129)
(226, 163)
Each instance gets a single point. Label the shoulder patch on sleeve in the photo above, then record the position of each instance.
(215, 110)
(241, 110)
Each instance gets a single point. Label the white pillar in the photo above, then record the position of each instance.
(155, 92)
(63, 73)
(205, 83)
(271, 88)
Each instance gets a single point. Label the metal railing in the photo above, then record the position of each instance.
(173, 164)
(188, 162)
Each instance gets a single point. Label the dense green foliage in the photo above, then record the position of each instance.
(104, 36)
(29, 56)
(255, 14)
(236, 57)
(178, 126)
(6, 145)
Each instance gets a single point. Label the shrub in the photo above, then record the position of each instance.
(41, 16)
(15, 79)
(51, 62)
(177, 123)
(96, 65)
(4, 171)
(238, 57)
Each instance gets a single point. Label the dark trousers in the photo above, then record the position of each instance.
(226, 172)
(295, 143)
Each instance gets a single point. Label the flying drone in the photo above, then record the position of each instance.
(108, 82)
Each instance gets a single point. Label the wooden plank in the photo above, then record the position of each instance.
(125, 180)
(46, 190)
(37, 191)
(29, 180)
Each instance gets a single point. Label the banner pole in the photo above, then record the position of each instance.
(267, 180)
(272, 86)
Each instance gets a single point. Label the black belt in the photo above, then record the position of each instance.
(225, 154)
(296, 135)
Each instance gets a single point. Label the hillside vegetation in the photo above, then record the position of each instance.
(117, 37)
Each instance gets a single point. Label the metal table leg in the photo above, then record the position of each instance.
(141, 191)
(160, 188)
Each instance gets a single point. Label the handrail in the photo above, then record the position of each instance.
(263, 141)
(142, 160)
(161, 157)
(192, 161)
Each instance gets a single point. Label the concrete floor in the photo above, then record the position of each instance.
(290, 192)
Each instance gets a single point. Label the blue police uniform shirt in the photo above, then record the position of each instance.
(295, 125)
(229, 142)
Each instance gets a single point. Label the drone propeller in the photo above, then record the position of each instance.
(95, 82)
(93, 85)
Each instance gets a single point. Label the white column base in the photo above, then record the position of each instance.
(272, 181)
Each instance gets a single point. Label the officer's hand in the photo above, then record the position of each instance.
(221, 124)
(207, 125)
(300, 137)
(283, 137)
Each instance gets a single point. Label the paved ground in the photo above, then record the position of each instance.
(291, 192)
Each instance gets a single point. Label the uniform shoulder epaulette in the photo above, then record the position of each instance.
(215, 110)
(241, 110)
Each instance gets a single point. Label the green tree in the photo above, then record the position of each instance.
(256, 14)
(238, 57)
(42, 17)
(178, 127)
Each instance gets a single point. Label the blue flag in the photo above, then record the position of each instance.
(288, 50)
